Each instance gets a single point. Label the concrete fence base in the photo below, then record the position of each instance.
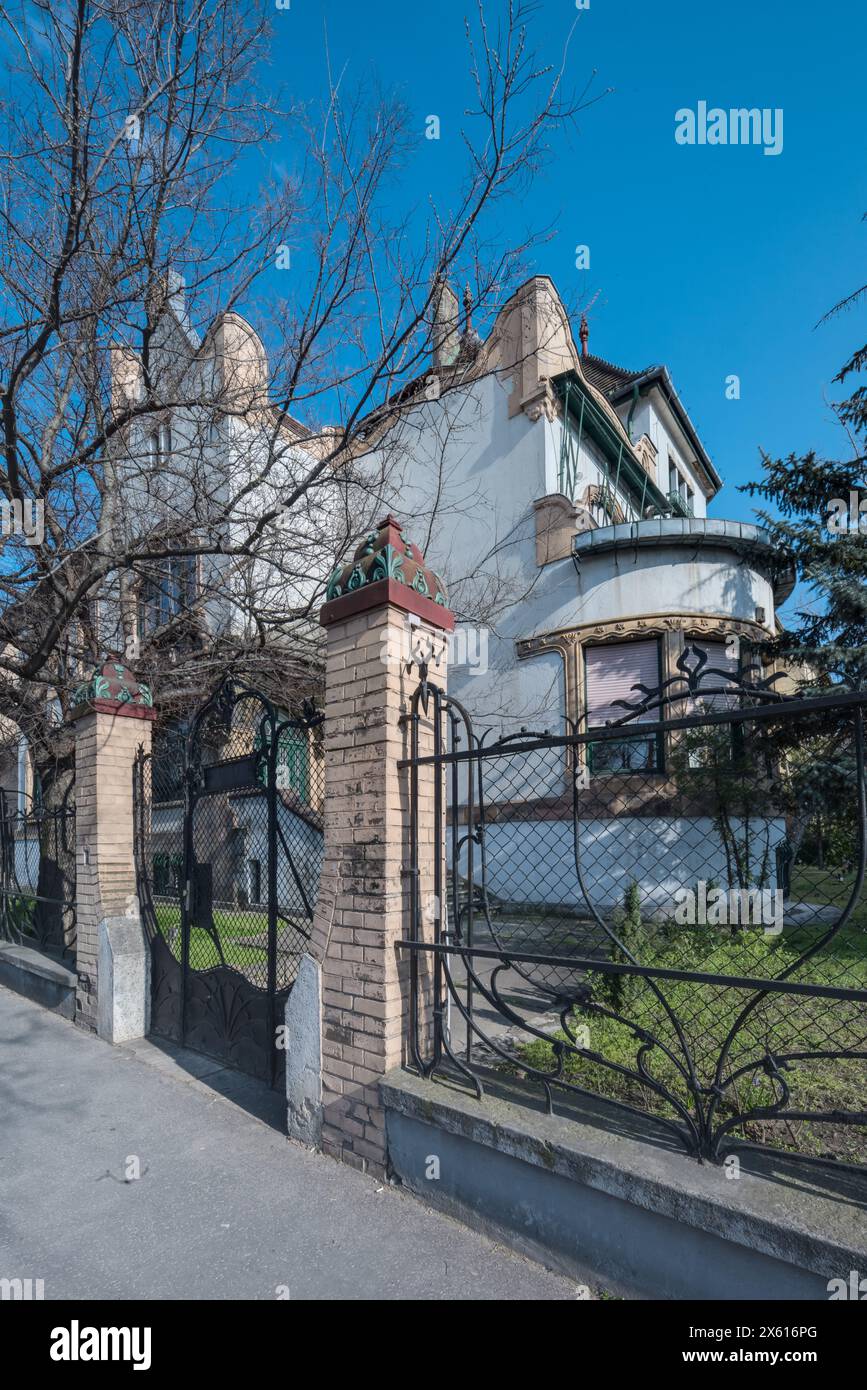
(608, 1201)
(123, 1005)
(303, 1037)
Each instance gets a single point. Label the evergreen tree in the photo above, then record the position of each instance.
(820, 526)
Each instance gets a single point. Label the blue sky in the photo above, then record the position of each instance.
(716, 260)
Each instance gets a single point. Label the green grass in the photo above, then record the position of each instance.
(230, 926)
(19, 909)
(813, 885)
(785, 1023)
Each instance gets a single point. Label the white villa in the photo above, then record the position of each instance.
(575, 493)
(562, 499)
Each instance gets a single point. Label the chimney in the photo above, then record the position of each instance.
(176, 294)
(127, 379)
(446, 326)
(169, 291)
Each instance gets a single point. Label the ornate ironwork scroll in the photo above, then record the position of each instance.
(680, 934)
(37, 873)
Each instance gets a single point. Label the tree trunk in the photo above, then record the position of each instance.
(796, 833)
(820, 844)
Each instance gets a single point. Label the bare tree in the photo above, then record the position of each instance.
(159, 437)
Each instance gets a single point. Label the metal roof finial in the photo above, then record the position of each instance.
(468, 308)
(584, 335)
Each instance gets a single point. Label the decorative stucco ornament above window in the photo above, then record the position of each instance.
(387, 569)
(113, 689)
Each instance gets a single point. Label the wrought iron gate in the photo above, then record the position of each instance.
(37, 873)
(229, 849)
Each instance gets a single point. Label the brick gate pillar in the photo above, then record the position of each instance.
(380, 607)
(112, 715)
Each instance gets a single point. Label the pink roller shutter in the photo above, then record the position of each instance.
(717, 657)
(611, 671)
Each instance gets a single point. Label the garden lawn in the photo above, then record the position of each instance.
(782, 1024)
(231, 924)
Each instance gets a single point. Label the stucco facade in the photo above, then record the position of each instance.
(565, 502)
(569, 499)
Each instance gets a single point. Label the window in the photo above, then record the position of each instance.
(254, 880)
(167, 593)
(610, 672)
(679, 490)
(720, 657)
(167, 763)
(708, 747)
(160, 443)
(167, 874)
(293, 763)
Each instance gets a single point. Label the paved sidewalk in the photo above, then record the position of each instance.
(226, 1206)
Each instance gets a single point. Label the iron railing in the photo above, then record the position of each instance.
(683, 938)
(37, 874)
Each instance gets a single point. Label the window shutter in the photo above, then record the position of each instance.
(718, 657)
(293, 762)
(611, 672)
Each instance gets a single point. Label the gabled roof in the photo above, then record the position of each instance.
(618, 383)
(659, 376)
(606, 376)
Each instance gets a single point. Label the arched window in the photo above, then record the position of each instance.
(160, 443)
